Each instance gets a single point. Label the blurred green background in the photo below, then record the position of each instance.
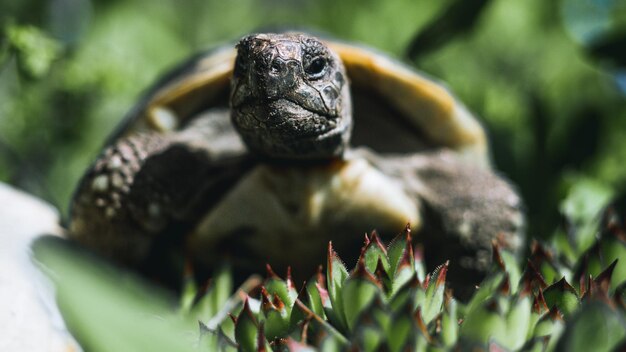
(548, 78)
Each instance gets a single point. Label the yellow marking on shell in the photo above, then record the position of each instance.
(429, 105)
(163, 119)
(210, 77)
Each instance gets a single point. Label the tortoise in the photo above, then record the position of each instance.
(264, 151)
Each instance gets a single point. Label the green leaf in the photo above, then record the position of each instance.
(512, 268)
(375, 251)
(369, 338)
(336, 275)
(485, 322)
(396, 250)
(562, 295)
(277, 317)
(410, 294)
(614, 248)
(485, 290)
(107, 309)
(518, 321)
(449, 324)
(433, 300)
(246, 329)
(217, 294)
(358, 292)
(215, 340)
(35, 49)
(596, 327)
(317, 294)
(284, 289)
(582, 206)
(549, 324)
(190, 290)
(401, 333)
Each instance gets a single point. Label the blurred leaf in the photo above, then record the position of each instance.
(562, 295)
(599, 25)
(217, 293)
(596, 327)
(246, 329)
(456, 20)
(35, 49)
(358, 291)
(449, 324)
(107, 309)
(484, 322)
(434, 296)
(335, 276)
(518, 322)
(582, 206)
(550, 324)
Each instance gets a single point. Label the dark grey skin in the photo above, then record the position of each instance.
(290, 107)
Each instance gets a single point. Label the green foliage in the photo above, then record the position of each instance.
(34, 49)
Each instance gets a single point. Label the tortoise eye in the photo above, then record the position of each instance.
(316, 67)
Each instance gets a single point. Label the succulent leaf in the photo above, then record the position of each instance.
(396, 250)
(562, 295)
(596, 327)
(518, 323)
(434, 296)
(373, 252)
(246, 329)
(485, 322)
(336, 275)
(317, 295)
(449, 323)
(214, 294)
(359, 290)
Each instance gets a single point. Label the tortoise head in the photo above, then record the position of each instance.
(290, 98)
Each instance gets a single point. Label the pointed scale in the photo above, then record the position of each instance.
(531, 278)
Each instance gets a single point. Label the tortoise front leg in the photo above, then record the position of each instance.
(464, 208)
(145, 191)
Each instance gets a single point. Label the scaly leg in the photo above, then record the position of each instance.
(465, 208)
(145, 191)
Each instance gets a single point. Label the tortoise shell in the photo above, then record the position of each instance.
(286, 213)
(407, 110)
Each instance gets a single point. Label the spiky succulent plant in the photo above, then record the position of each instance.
(387, 303)
(570, 295)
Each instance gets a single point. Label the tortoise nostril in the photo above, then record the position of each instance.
(280, 67)
(277, 67)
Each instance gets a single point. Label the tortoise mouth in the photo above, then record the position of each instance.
(290, 120)
(284, 129)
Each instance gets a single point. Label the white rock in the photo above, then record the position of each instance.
(29, 318)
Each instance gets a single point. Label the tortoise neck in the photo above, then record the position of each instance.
(292, 162)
